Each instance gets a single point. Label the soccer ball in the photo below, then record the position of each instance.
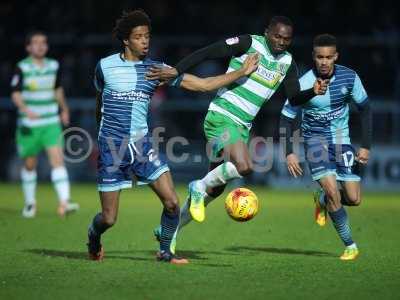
(241, 204)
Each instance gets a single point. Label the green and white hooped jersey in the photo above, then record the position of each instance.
(242, 99)
(37, 85)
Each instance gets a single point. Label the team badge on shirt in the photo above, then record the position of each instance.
(15, 80)
(232, 41)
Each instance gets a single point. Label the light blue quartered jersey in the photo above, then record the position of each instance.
(327, 116)
(126, 96)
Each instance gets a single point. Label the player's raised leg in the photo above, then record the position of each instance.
(185, 216)
(237, 164)
(338, 216)
(229, 140)
(29, 181)
(350, 193)
(164, 188)
(59, 177)
(210, 195)
(101, 222)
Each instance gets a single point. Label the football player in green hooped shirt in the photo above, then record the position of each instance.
(231, 113)
(38, 95)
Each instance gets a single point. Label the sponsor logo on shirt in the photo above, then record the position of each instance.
(131, 95)
(326, 117)
(271, 77)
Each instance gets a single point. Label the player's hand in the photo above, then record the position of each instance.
(320, 86)
(293, 165)
(250, 64)
(362, 156)
(64, 115)
(31, 115)
(161, 73)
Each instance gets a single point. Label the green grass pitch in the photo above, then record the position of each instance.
(280, 254)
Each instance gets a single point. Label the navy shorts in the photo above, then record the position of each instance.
(120, 163)
(331, 159)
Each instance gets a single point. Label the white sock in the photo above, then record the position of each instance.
(29, 179)
(220, 175)
(185, 214)
(352, 246)
(59, 177)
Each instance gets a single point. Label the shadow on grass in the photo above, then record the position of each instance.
(275, 250)
(198, 255)
(191, 255)
(9, 211)
(80, 255)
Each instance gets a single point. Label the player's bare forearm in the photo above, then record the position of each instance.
(18, 101)
(60, 98)
(20, 104)
(194, 83)
(64, 111)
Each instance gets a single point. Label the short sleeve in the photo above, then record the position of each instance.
(98, 78)
(358, 94)
(16, 80)
(58, 79)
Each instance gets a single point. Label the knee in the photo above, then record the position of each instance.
(109, 219)
(355, 199)
(244, 168)
(331, 193)
(357, 202)
(171, 203)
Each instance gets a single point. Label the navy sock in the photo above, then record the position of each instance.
(169, 226)
(341, 223)
(98, 227)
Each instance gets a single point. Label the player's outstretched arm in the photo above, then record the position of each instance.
(194, 83)
(235, 46)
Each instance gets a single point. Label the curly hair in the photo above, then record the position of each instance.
(128, 21)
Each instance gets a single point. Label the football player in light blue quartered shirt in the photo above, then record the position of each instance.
(124, 139)
(325, 127)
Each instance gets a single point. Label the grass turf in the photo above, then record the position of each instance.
(281, 254)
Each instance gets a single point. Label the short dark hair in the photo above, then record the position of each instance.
(128, 21)
(280, 20)
(325, 40)
(31, 34)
